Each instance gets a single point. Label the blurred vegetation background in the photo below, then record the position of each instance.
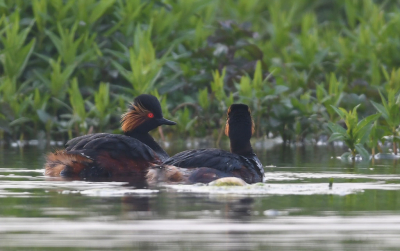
(70, 67)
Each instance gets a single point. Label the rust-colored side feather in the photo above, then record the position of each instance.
(122, 166)
(60, 160)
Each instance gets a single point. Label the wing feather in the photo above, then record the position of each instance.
(212, 158)
(115, 144)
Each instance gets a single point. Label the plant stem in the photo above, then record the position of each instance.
(373, 154)
(394, 140)
(379, 148)
(353, 154)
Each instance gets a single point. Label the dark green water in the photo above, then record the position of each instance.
(294, 210)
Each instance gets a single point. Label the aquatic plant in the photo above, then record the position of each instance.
(376, 134)
(390, 109)
(289, 62)
(356, 132)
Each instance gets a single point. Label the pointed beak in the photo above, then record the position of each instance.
(164, 121)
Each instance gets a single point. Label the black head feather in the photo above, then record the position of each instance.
(143, 115)
(239, 123)
(148, 102)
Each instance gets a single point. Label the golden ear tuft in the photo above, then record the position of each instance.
(227, 128)
(134, 117)
(229, 110)
(252, 123)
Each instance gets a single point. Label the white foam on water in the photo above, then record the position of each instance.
(117, 192)
(285, 189)
(8, 185)
(298, 176)
(117, 189)
(15, 170)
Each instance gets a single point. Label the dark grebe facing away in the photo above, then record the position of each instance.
(206, 165)
(104, 155)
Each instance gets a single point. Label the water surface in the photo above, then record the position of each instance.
(295, 209)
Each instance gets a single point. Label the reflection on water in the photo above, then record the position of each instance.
(295, 209)
(283, 233)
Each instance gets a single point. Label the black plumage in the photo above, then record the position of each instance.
(205, 165)
(115, 145)
(104, 155)
(213, 158)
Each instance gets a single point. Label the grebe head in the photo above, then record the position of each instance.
(144, 115)
(239, 124)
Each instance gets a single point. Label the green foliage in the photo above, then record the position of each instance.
(16, 53)
(78, 106)
(145, 68)
(203, 98)
(217, 85)
(102, 99)
(102, 107)
(357, 131)
(290, 62)
(376, 134)
(332, 97)
(390, 110)
(187, 122)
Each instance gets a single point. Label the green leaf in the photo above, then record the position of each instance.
(44, 116)
(58, 101)
(355, 109)
(385, 73)
(257, 78)
(190, 123)
(337, 128)
(363, 134)
(19, 121)
(279, 89)
(336, 136)
(322, 95)
(76, 99)
(367, 120)
(99, 10)
(339, 112)
(381, 109)
(384, 102)
(26, 52)
(204, 102)
(4, 125)
(245, 88)
(363, 152)
(345, 156)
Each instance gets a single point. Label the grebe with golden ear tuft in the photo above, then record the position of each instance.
(206, 165)
(104, 155)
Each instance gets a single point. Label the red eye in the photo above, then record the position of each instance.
(150, 115)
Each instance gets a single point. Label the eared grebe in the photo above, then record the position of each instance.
(104, 155)
(206, 165)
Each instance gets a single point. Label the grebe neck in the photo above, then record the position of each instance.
(149, 141)
(241, 147)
